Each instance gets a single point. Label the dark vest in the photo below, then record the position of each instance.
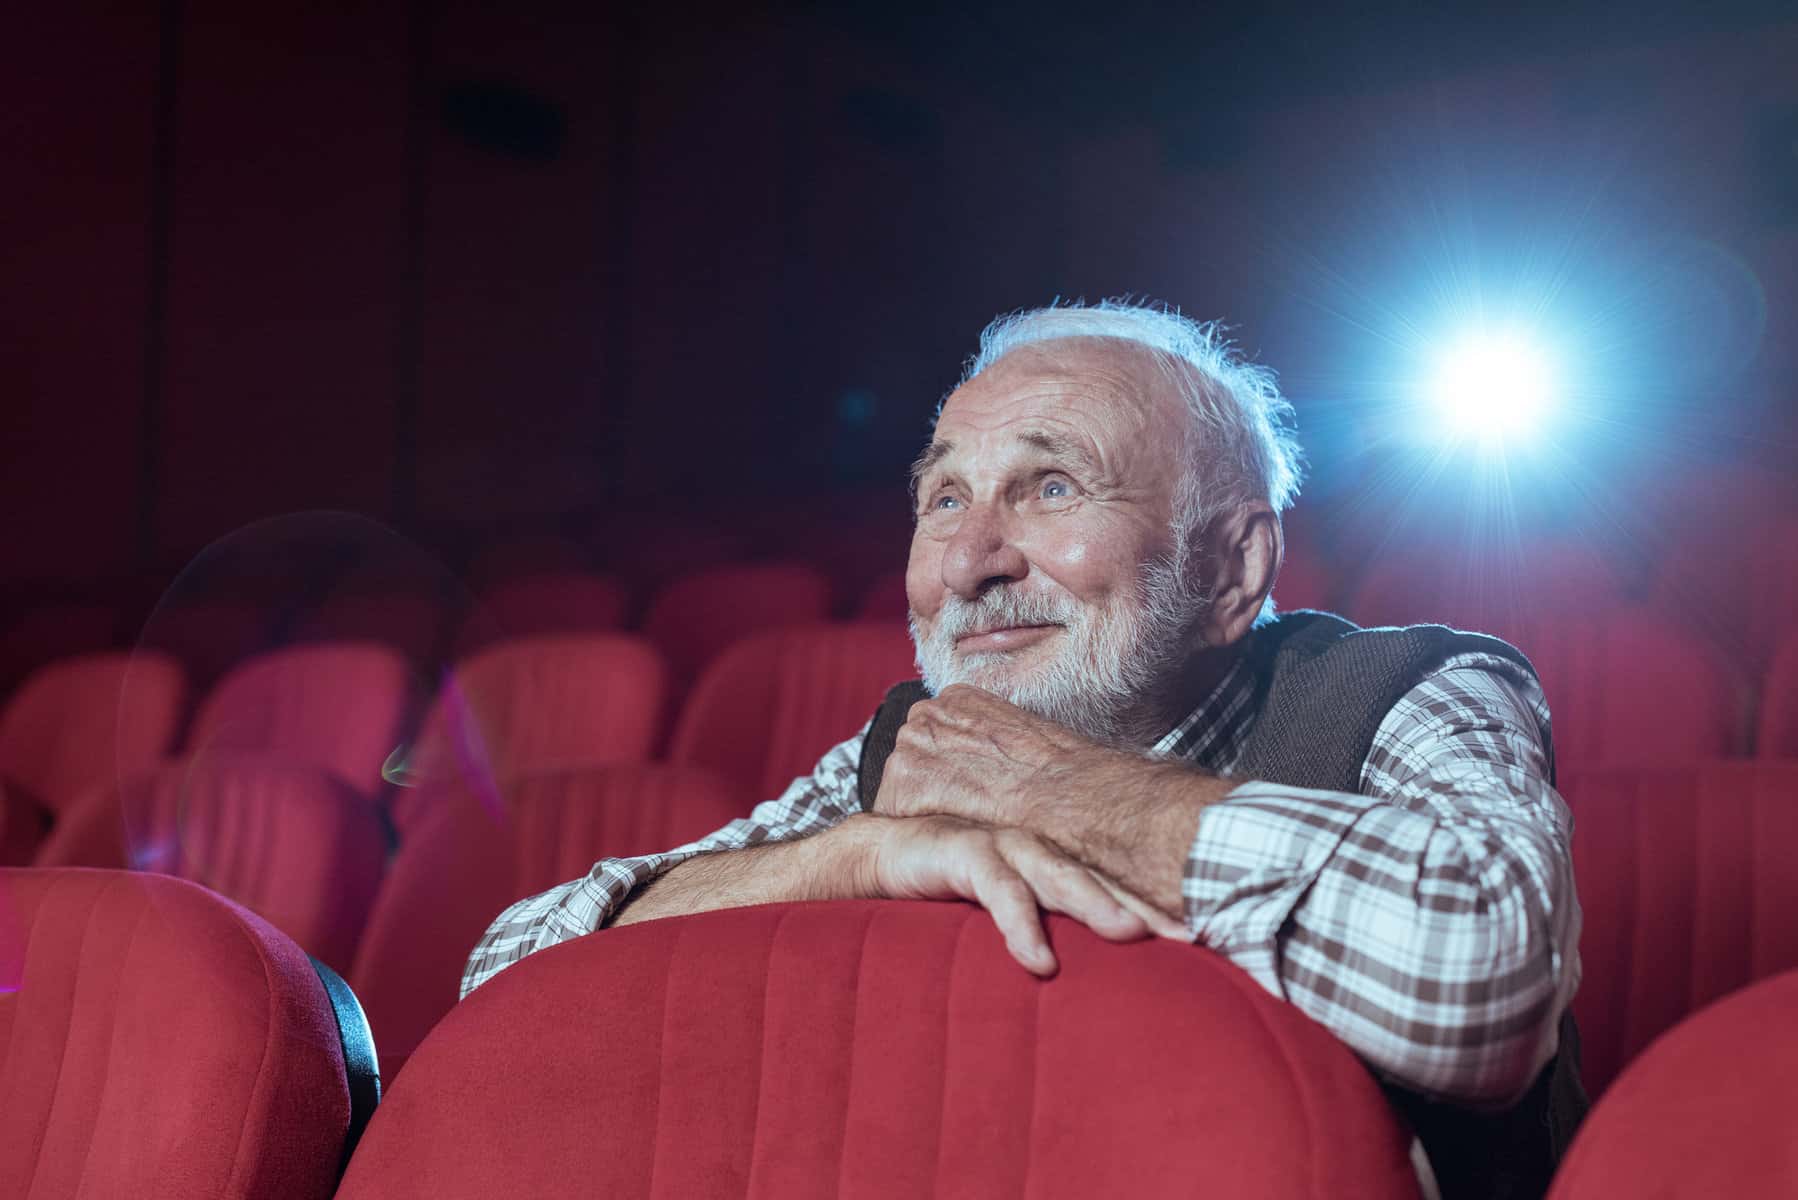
(1323, 687)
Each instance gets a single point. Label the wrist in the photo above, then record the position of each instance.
(844, 864)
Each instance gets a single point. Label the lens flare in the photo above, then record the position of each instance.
(1493, 387)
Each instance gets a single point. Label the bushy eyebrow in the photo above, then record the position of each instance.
(1056, 446)
(933, 454)
(1059, 447)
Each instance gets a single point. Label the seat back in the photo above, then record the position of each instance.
(1482, 590)
(85, 721)
(546, 703)
(1685, 878)
(158, 1041)
(696, 617)
(1630, 687)
(771, 705)
(1706, 1111)
(289, 842)
(885, 599)
(461, 864)
(1737, 579)
(1777, 734)
(877, 1048)
(339, 707)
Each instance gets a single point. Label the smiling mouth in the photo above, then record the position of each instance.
(1002, 638)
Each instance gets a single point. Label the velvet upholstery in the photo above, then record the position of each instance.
(1710, 1109)
(1631, 687)
(336, 706)
(1686, 882)
(158, 1042)
(770, 706)
(84, 721)
(698, 616)
(290, 842)
(461, 863)
(544, 703)
(876, 1049)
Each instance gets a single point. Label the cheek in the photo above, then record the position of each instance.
(1091, 566)
(924, 579)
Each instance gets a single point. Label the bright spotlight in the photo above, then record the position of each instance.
(1493, 387)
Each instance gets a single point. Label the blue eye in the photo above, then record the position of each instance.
(1056, 489)
(942, 501)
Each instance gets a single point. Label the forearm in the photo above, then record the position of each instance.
(1134, 820)
(826, 866)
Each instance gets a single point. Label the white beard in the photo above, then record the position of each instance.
(1110, 678)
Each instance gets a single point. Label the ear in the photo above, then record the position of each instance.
(1244, 551)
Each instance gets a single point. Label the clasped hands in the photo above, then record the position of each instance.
(1003, 807)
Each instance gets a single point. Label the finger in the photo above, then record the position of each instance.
(1003, 893)
(1065, 886)
(1159, 923)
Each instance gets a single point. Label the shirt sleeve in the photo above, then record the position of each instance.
(1430, 922)
(810, 804)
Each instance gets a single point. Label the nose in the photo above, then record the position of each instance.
(982, 553)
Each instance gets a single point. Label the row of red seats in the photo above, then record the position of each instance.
(159, 1041)
(1624, 685)
(763, 712)
(274, 800)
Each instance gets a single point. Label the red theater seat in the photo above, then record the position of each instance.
(289, 842)
(338, 707)
(552, 702)
(565, 602)
(696, 617)
(1685, 877)
(1708, 1110)
(876, 1049)
(461, 864)
(1485, 589)
(885, 599)
(1737, 578)
(158, 1042)
(774, 703)
(85, 721)
(1777, 736)
(1629, 686)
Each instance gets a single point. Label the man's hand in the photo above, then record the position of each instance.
(1009, 872)
(969, 754)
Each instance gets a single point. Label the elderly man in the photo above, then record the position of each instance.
(1111, 726)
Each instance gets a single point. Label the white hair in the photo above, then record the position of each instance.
(1241, 446)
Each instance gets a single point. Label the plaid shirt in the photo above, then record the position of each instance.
(1429, 920)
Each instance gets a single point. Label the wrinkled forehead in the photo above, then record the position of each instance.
(1118, 392)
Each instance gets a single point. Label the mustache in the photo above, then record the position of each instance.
(999, 608)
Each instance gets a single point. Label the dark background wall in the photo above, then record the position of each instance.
(459, 266)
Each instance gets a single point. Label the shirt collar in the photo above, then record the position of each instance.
(1211, 735)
